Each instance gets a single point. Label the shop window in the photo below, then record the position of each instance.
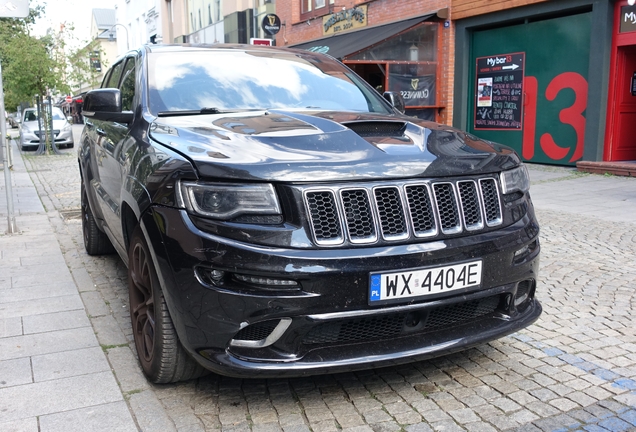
(406, 63)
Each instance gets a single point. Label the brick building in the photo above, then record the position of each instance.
(401, 46)
(562, 91)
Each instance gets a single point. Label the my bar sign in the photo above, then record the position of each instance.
(628, 19)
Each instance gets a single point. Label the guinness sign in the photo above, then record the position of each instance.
(271, 24)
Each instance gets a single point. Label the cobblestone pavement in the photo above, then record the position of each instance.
(575, 369)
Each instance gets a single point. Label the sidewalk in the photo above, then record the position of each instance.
(54, 375)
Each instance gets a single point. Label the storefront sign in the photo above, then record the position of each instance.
(271, 24)
(628, 19)
(345, 20)
(499, 85)
(416, 91)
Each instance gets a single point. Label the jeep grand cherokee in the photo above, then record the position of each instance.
(279, 217)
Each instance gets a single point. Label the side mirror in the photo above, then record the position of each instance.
(395, 99)
(105, 104)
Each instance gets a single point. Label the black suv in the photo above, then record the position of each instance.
(279, 217)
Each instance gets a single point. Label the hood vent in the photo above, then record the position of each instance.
(377, 128)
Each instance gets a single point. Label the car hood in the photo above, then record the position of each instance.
(301, 146)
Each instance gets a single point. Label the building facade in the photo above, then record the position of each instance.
(403, 46)
(571, 99)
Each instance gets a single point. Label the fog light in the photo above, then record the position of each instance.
(521, 251)
(210, 276)
(257, 280)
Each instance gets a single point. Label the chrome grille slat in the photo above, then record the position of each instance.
(471, 208)
(421, 210)
(359, 218)
(367, 213)
(492, 203)
(446, 201)
(391, 213)
(324, 216)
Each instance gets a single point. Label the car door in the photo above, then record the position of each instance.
(111, 138)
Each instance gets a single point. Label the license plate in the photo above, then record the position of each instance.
(387, 286)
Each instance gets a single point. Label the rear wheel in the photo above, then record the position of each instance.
(162, 357)
(96, 241)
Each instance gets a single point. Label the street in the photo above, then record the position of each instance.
(575, 369)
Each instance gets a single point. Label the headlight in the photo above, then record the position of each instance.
(229, 201)
(67, 128)
(515, 180)
(25, 129)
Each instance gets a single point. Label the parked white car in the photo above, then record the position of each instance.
(30, 130)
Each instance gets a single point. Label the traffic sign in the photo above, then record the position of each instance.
(69, 99)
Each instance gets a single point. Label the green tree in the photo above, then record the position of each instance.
(28, 65)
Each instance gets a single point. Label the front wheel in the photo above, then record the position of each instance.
(161, 355)
(96, 241)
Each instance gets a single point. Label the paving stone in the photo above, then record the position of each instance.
(108, 331)
(15, 372)
(68, 363)
(149, 413)
(22, 425)
(61, 395)
(46, 343)
(10, 327)
(113, 417)
(55, 321)
(41, 306)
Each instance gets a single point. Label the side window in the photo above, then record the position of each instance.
(128, 85)
(113, 80)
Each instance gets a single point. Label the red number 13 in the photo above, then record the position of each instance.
(573, 115)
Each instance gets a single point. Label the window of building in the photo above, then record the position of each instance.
(314, 8)
(406, 63)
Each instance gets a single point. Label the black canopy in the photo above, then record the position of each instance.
(343, 44)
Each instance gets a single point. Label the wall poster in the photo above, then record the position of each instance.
(499, 99)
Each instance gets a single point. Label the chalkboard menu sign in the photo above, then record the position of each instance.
(499, 99)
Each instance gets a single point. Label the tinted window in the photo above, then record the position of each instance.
(128, 85)
(113, 80)
(191, 80)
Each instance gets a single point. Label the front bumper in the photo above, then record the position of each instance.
(63, 138)
(327, 325)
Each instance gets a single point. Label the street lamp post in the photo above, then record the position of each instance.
(110, 35)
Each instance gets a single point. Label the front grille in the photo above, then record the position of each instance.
(393, 212)
(399, 324)
(55, 133)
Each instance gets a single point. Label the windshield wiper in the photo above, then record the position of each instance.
(206, 110)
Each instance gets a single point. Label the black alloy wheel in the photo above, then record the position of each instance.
(162, 357)
(96, 241)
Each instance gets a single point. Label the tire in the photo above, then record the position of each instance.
(96, 242)
(162, 357)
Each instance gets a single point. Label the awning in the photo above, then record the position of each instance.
(343, 44)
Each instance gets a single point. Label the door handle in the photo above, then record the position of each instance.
(100, 132)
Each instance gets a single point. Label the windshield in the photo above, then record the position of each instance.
(32, 115)
(238, 80)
